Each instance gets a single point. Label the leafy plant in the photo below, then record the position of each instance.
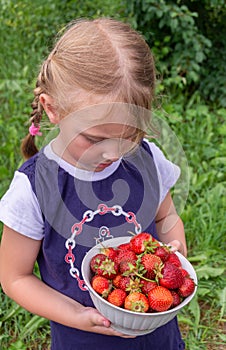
(188, 40)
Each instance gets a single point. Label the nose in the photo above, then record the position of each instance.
(110, 156)
(111, 150)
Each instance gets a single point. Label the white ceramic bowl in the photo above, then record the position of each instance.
(125, 321)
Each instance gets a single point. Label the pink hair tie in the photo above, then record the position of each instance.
(34, 130)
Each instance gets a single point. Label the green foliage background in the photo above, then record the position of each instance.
(188, 39)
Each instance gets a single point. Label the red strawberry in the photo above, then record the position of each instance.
(151, 263)
(172, 277)
(110, 252)
(125, 255)
(162, 252)
(117, 297)
(143, 242)
(176, 298)
(124, 282)
(107, 268)
(96, 261)
(101, 285)
(173, 259)
(146, 286)
(187, 287)
(160, 299)
(130, 284)
(184, 272)
(126, 266)
(124, 246)
(136, 302)
(116, 280)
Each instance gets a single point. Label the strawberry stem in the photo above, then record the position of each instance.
(142, 277)
(131, 233)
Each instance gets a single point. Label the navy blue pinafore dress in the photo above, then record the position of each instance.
(78, 214)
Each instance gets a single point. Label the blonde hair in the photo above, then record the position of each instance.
(104, 58)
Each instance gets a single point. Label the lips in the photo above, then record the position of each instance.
(103, 165)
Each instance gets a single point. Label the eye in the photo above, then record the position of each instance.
(92, 140)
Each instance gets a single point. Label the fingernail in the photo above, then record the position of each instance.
(106, 323)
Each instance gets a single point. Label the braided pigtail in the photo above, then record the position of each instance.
(28, 146)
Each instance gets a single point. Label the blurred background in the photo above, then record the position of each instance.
(188, 39)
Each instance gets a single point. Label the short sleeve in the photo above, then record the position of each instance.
(167, 171)
(19, 208)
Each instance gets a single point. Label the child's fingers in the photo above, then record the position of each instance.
(102, 325)
(176, 245)
(111, 331)
(99, 320)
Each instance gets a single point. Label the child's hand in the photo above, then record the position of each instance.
(93, 321)
(176, 245)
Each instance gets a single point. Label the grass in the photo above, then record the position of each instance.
(201, 133)
(200, 130)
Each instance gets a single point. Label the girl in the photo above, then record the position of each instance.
(99, 178)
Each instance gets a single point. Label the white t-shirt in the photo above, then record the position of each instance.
(19, 207)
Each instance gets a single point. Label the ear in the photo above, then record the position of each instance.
(47, 103)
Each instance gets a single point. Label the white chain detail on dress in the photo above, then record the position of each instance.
(76, 229)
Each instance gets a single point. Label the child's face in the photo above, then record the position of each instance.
(97, 147)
